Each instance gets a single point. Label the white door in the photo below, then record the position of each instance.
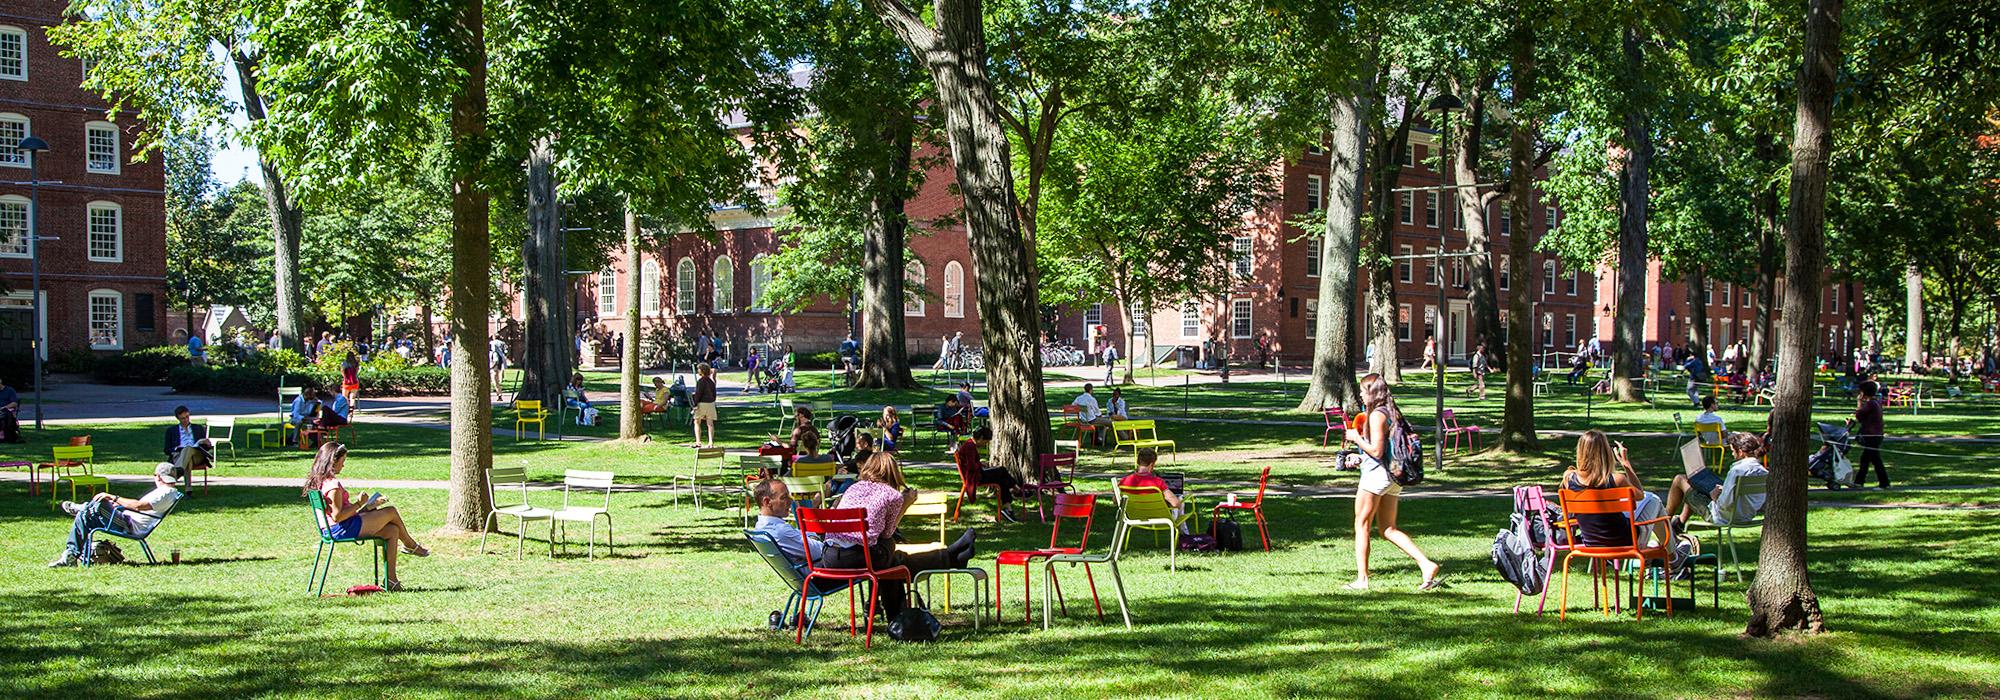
(1458, 320)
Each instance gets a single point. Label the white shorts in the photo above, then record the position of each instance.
(1375, 478)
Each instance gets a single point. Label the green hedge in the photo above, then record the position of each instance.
(17, 369)
(253, 381)
(147, 366)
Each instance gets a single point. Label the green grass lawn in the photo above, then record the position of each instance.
(679, 612)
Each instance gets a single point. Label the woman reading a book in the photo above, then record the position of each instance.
(363, 517)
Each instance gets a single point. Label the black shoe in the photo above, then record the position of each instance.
(1008, 516)
(777, 619)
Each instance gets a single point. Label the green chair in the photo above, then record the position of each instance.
(1119, 536)
(515, 480)
(1145, 508)
(1746, 485)
(327, 544)
(118, 528)
(1139, 435)
(811, 490)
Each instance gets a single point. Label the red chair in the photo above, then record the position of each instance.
(1336, 424)
(1073, 420)
(843, 521)
(1068, 505)
(968, 481)
(1255, 507)
(1049, 478)
(1452, 431)
(1610, 501)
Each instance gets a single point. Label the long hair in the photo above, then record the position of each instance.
(1593, 458)
(1375, 395)
(888, 417)
(883, 468)
(322, 466)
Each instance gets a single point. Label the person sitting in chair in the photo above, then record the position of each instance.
(134, 515)
(774, 519)
(1089, 413)
(187, 444)
(885, 496)
(1144, 476)
(334, 410)
(1708, 415)
(1115, 409)
(1717, 496)
(975, 471)
(655, 401)
(951, 417)
(10, 410)
(304, 406)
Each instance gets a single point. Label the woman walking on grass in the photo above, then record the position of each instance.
(1375, 499)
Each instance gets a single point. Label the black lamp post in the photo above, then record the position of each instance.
(33, 147)
(1444, 104)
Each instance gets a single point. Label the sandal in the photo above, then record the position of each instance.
(1356, 586)
(1432, 584)
(392, 585)
(418, 552)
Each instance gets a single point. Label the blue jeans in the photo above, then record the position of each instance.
(94, 514)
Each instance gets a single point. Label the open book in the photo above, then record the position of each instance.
(375, 500)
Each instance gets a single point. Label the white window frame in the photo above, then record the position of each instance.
(1093, 315)
(954, 290)
(1548, 329)
(607, 293)
(760, 283)
(1506, 272)
(1241, 321)
(27, 226)
(1708, 292)
(1729, 294)
(1432, 274)
(1432, 200)
(90, 160)
(117, 299)
(649, 286)
(1190, 321)
(1406, 203)
(9, 156)
(1570, 282)
(19, 35)
(1312, 317)
(1506, 221)
(90, 213)
(1548, 277)
(1404, 322)
(723, 276)
(1315, 193)
(1405, 268)
(1569, 330)
(914, 278)
(1409, 155)
(1244, 255)
(1313, 261)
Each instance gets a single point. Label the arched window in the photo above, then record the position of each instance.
(684, 287)
(100, 153)
(649, 288)
(105, 225)
(13, 128)
(14, 217)
(107, 320)
(760, 280)
(913, 289)
(607, 293)
(954, 290)
(725, 285)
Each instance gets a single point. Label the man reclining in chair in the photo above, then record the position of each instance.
(139, 516)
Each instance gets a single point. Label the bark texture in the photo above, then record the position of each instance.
(1781, 598)
(885, 357)
(1333, 382)
(1628, 326)
(471, 283)
(630, 427)
(287, 221)
(1769, 225)
(1472, 203)
(1517, 426)
(1010, 326)
(545, 356)
(1913, 313)
(1697, 281)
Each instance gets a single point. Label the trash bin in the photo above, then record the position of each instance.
(1187, 357)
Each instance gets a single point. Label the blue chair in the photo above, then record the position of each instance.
(794, 576)
(326, 547)
(116, 528)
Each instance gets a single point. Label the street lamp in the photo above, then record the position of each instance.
(1444, 104)
(33, 147)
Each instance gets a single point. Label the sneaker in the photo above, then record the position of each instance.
(67, 559)
(1008, 516)
(71, 507)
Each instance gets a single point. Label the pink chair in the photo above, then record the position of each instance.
(1049, 478)
(1529, 499)
(1452, 431)
(1336, 423)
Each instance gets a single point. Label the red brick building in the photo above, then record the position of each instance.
(104, 274)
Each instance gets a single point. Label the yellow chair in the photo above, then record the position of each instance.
(63, 464)
(528, 411)
(938, 504)
(1713, 452)
(1145, 508)
(812, 489)
(815, 468)
(1140, 434)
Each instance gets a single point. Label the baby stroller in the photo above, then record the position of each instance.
(1830, 463)
(840, 441)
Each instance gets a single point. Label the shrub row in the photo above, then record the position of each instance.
(145, 366)
(237, 380)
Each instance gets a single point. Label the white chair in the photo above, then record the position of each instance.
(1746, 486)
(691, 482)
(575, 480)
(514, 479)
(222, 431)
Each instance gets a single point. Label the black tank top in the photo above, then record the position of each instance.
(1600, 529)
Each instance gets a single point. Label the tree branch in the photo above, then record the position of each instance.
(906, 24)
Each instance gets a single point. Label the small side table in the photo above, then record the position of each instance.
(981, 599)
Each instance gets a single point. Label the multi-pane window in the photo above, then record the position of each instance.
(1458, 272)
(1727, 294)
(1239, 318)
(1431, 267)
(101, 148)
(1431, 209)
(1312, 256)
(1312, 317)
(1140, 327)
(913, 289)
(1403, 322)
(13, 128)
(1094, 315)
(1315, 192)
(107, 320)
(1409, 155)
(1548, 329)
(1548, 277)
(1506, 272)
(607, 293)
(1569, 283)
(1708, 293)
(1506, 221)
(954, 290)
(1243, 255)
(1548, 218)
(1190, 321)
(13, 53)
(1457, 215)
(1403, 266)
(1404, 204)
(14, 241)
(725, 285)
(106, 232)
(1569, 330)
(760, 280)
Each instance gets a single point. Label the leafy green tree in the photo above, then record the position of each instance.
(207, 259)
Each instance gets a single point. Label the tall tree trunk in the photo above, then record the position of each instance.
(1913, 313)
(430, 324)
(1628, 329)
(471, 283)
(1129, 307)
(1340, 251)
(1009, 303)
(545, 353)
(629, 425)
(1471, 202)
(287, 222)
(1782, 597)
(1386, 173)
(1697, 281)
(885, 356)
(1517, 426)
(1768, 230)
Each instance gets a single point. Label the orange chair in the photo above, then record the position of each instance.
(1255, 507)
(844, 521)
(1619, 500)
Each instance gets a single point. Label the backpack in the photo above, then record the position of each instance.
(1198, 543)
(914, 624)
(1517, 560)
(1406, 454)
(1228, 536)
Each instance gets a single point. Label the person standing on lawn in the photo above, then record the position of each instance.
(704, 405)
(1375, 500)
(1867, 422)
